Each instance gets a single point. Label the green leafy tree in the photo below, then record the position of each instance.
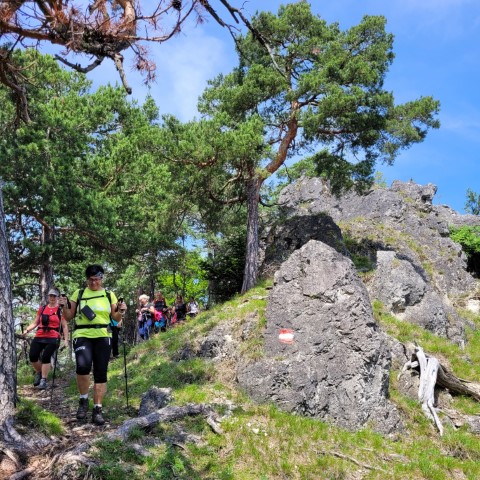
(472, 204)
(186, 277)
(318, 89)
(215, 202)
(80, 183)
(224, 267)
(469, 238)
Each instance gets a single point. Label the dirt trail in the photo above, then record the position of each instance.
(76, 432)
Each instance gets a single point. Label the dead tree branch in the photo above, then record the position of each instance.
(103, 30)
(433, 374)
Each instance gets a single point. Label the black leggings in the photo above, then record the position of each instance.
(41, 351)
(94, 351)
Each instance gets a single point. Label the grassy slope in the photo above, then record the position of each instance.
(259, 441)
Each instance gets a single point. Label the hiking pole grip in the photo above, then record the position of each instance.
(69, 305)
(118, 301)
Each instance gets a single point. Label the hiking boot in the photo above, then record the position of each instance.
(82, 409)
(36, 379)
(97, 417)
(43, 384)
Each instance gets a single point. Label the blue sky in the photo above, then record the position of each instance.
(437, 48)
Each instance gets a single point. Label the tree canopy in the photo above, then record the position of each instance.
(317, 91)
(80, 181)
(472, 205)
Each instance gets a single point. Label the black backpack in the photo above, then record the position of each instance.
(45, 320)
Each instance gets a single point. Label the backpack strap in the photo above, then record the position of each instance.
(79, 298)
(47, 328)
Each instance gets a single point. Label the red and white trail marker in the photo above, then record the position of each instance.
(286, 335)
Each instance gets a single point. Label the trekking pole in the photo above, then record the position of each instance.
(120, 300)
(125, 365)
(58, 350)
(54, 369)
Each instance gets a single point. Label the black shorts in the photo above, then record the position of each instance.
(92, 351)
(42, 351)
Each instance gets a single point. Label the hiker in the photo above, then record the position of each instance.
(160, 302)
(50, 325)
(145, 316)
(161, 309)
(172, 316)
(91, 338)
(192, 308)
(180, 309)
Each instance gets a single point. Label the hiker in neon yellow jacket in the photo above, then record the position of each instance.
(91, 338)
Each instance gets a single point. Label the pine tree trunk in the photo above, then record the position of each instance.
(8, 379)
(251, 255)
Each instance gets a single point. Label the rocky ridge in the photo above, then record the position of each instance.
(337, 364)
(418, 272)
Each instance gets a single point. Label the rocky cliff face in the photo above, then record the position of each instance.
(418, 272)
(323, 353)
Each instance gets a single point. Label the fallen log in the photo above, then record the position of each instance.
(165, 414)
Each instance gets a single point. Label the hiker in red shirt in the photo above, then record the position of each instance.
(49, 322)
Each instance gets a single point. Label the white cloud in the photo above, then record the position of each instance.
(466, 125)
(183, 68)
(184, 65)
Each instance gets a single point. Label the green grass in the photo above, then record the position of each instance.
(463, 363)
(30, 416)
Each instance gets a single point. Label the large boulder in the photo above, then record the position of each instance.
(337, 367)
(405, 291)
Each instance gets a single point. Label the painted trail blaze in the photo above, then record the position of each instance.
(286, 335)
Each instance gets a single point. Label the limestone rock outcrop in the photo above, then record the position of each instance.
(417, 270)
(337, 366)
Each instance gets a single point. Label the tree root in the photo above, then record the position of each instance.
(67, 464)
(353, 460)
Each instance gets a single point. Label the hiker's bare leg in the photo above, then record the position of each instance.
(45, 369)
(83, 382)
(99, 391)
(37, 365)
